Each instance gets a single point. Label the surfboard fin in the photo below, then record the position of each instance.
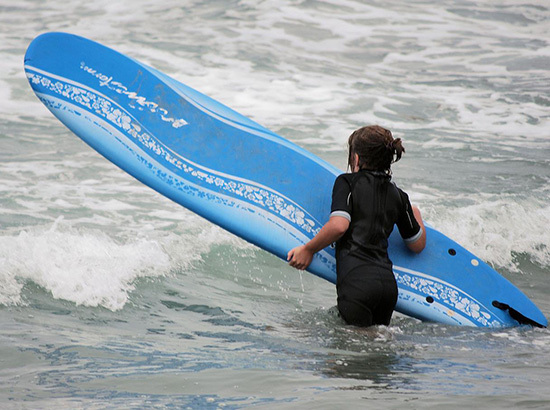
(523, 320)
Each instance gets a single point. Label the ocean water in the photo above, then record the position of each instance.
(112, 296)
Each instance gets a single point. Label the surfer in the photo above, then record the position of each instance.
(366, 205)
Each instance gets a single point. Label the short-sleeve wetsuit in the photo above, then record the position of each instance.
(366, 287)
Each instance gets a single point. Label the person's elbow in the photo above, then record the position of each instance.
(339, 226)
(418, 244)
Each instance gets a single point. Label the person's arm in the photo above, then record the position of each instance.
(410, 224)
(301, 256)
(419, 243)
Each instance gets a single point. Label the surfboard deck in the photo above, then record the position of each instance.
(244, 177)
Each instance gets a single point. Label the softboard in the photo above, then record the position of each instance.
(244, 177)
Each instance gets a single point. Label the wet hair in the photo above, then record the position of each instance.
(376, 147)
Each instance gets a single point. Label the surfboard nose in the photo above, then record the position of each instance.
(45, 45)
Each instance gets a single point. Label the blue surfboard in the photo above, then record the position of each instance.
(243, 177)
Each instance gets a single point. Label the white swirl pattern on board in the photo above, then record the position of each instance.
(447, 295)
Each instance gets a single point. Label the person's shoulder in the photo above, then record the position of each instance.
(392, 182)
(343, 182)
(347, 177)
(402, 194)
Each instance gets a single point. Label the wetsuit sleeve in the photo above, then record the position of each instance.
(341, 198)
(409, 227)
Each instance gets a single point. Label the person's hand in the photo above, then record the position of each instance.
(299, 257)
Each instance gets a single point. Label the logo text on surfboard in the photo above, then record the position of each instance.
(112, 84)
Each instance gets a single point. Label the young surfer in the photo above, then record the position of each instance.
(365, 207)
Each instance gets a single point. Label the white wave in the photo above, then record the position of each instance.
(87, 268)
(498, 228)
(90, 268)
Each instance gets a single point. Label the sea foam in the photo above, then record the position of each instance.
(87, 268)
(499, 228)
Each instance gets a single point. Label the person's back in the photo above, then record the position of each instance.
(375, 206)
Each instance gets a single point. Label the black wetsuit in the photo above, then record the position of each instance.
(366, 287)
